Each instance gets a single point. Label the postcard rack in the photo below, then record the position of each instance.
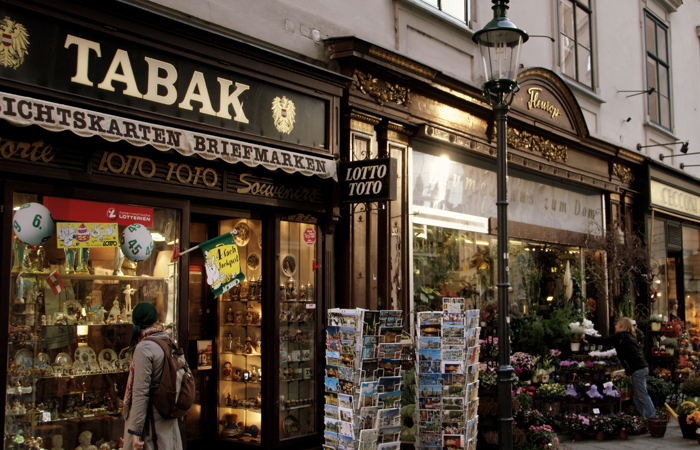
(363, 379)
(447, 377)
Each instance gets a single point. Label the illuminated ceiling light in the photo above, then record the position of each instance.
(157, 237)
(482, 243)
(550, 298)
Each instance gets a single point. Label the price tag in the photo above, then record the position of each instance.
(46, 416)
(596, 411)
(311, 306)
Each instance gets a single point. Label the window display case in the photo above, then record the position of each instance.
(70, 324)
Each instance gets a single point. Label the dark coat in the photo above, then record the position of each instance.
(627, 348)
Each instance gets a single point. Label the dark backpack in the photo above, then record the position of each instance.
(175, 394)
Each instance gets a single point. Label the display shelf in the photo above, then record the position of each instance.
(67, 376)
(242, 325)
(85, 276)
(289, 408)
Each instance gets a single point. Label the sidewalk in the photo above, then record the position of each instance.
(673, 439)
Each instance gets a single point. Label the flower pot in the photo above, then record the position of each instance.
(657, 427)
(687, 429)
(578, 436)
(600, 435)
(575, 346)
(624, 435)
(655, 326)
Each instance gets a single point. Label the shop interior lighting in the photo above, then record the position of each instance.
(157, 236)
(482, 243)
(550, 298)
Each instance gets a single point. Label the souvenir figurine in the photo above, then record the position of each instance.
(21, 251)
(302, 293)
(118, 261)
(249, 345)
(19, 290)
(235, 293)
(127, 297)
(253, 289)
(239, 318)
(258, 345)
(309, 291)
(237, 346)
(83, 262)
(291, 289)
(237, 375)
(229, 316)
(70, 259)
(85, 440)
(232, 428)
(229, 342)
(283, 292)
(228, 371)
(249, 318)
(228, 400)
(37, 256)
(114, 312)
(245, 290)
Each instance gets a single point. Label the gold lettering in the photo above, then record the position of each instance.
(268, 188)
(535, 102)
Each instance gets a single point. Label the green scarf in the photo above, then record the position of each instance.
(143, 316)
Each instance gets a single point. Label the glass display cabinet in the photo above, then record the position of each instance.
(70, 329)
(298, 324)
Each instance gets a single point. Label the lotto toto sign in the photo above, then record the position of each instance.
(372, 180)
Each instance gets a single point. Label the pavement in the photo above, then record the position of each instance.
(672, 440)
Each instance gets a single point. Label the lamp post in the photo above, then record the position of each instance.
(499, 42)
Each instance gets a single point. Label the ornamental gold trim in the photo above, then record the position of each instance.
(550, 151)
(368, 85)
(15, 40)
(404, 63)
(623, 173)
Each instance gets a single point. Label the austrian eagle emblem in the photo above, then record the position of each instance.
(15, 40)
(283, 113)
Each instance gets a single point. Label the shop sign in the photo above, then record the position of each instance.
(310, 236)
(24, 111)
(441, 185)
(222, 263)
(675, 199)
(371, 180)
(88, 63)
(87, 235)
(80, 210)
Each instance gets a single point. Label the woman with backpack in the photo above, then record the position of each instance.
(148, 358)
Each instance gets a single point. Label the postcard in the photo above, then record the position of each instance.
(331, 439)
(471, 444)
(331, 371)
(430, 415)
(453, 416)
(345, 401)
(453, 342)
(368, 417)
(453, 331)
(431, 390)
(345, 442)
(368, 439)
(472, 373)
(389, 399)
(430, 439)
(429, 354)
(453, 404)
(452, 441)
(346, 428)
(429, 342)
(331, 411)
(390, 351)
(331, 384)
(429, 403)
(453, 355)
(332, 425)
(472, 427)
(331, 399)
(390, 446)
(390, 334)
(473, 409)
(388, 384)
(347, 334)
(425, 379)
(452, 367)
(370, 323)
(347, 348)
(388, 417)
(452, 304)
(454, 428)
(346, 373)
(367, 393)
(346, 414)
(333, 333)
(345, 387)
(430, 427)
(453, 319)
(389, 434)
(333, 345)
(369, 370)
(474, 394)
(389, 367)
(369, 347)
(429, 367)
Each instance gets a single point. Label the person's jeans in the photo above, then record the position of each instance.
(641, 397)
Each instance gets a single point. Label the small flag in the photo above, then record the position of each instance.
(55, 283)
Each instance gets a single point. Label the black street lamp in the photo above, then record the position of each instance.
(499, 42)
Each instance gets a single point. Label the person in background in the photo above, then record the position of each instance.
(625, 342)
(144, 377)
(673, 310)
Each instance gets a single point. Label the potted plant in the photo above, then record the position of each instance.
(658, 389)
(694, 419)
(688, 428)
(623, 383)
(578, 424)
(551, 395)
(542, 437)
(576, 332)
(691, 388)
(656, 320)
(657, 425)
(671, 345)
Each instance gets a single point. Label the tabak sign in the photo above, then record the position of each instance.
(371, 180)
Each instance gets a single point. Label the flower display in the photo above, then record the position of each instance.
(571, 392)
(593, 393)
(693, 419)
(543, 436)
(608, 354)
(604, 423)
(489, 347)
(609, 390)
(535, 416)
(577, 423)
(489, 313)
(550, 393)
(522, 362)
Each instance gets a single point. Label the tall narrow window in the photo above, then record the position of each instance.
(658, 72)
(575, 40)
(459, 9)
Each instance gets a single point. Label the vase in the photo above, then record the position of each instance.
(575, 346)
(578, 436)
(600, 435)
(655, 326)
(624, 434)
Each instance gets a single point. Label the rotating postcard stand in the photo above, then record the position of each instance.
(363, 380)
(447, 377)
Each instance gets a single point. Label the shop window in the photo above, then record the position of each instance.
(658, 71)
(575, 42)
(691, 280)
(449, 263)
(658, 291)
(459, 9)
(70, 314)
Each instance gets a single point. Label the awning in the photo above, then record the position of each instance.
(25, 111)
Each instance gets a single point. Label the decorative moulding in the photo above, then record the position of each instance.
(369, 85)
(623, 173)
(670, 5)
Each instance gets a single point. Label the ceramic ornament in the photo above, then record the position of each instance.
(136, 242)
(33, 224)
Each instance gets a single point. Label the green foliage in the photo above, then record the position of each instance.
(408, 387)
(691, 387)
(529, 336)
(556, 327)
(686, 409)
(659, 389)
(408, 424)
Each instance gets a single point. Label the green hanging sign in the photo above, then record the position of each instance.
(222, 263)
